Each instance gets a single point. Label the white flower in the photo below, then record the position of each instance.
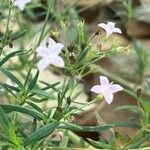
(50, 55)
(106, 89)
(109, 28)
(21, 3)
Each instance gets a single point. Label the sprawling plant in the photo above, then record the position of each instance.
(26, 121)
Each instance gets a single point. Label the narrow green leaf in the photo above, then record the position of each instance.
(12, 108)
(4, 123)
(41, 93)
(137, 143)
(4, 60)
(18, 35)
(82, 55)
(132, 108)
(41, 133)
(101, 144)
(10, 87)
(35, 106)
(11, 76)
(33, 83)
(49, 86)
(74, 127)
(38, 100)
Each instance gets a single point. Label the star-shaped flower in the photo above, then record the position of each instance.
(106, 89)
(21, 3)
(50, 55)
(109, 28)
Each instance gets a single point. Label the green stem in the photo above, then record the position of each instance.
(50, 4)
(126, 146)
(79, 141)
(7, 28)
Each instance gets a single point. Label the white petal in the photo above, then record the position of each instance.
(58, 62)
(43, 51)
(51, 42)
(109, 32)
(115, 88)
(96, 89)
(108, 96)
(27, 1)
(117, 30)
(102, 25)
(21, 7)
(57, 48)
(104, 81)
(42, 64)
(21, 3)
(110, 25)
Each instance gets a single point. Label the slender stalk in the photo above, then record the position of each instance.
(77, 140)
(50, 4)
(7, 28)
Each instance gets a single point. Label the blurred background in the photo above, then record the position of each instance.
(130, 68)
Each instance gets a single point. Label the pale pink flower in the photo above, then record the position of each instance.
(106, 89)
(21, 3)
(50, 55)
(109, 28)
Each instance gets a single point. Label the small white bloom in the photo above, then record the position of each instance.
(106, 89)
(50, 55)
(21, 3)
(109, 28)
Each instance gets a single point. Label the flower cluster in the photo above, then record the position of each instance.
(50, 55)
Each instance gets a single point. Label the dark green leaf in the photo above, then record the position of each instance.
(101, 144)
(12, 108)
(4, 60)
(12, 77)
(33, 83)
(10, 87)
(4, 122)
(82, 55)
(35, 106)
(17, 35)
(41, 133)
(74, 127)
(49, 86)
(132, 108)
(42, 93)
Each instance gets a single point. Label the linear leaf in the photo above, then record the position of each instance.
(82, 55)
(41, 133)
(33, 83)
(101, 144)
(35, 106)
(3, 120)
(12, 108)
(134, 109)
(49, 86)
(2, 61)
(74, 127)
(17, 35)
(11, 76)
(10, 87)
